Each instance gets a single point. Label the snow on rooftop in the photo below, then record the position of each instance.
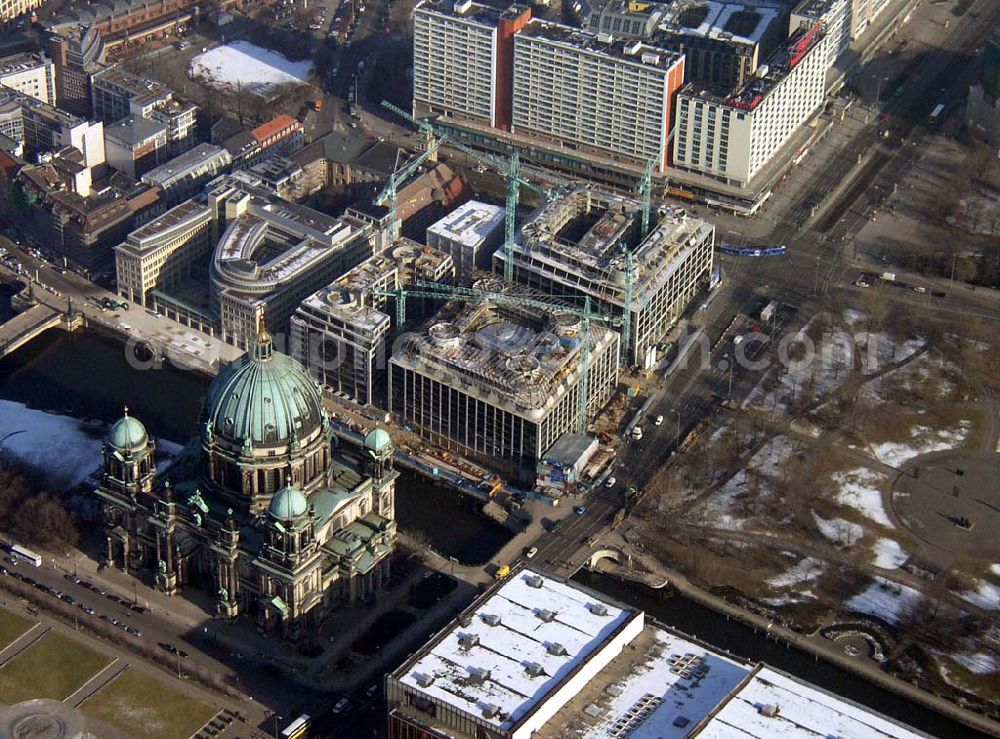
(470, 224)
(479, 666)
(773, 704)
(678, 685)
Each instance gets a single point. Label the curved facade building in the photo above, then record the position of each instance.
(272, 255)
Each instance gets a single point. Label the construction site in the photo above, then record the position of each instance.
(501, 372)
(641, 265)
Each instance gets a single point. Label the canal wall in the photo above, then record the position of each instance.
(817, 647)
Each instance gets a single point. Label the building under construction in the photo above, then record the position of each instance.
(341, 332)
(588, 242)
(499, 377)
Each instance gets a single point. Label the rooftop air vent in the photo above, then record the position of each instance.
(468, 641)
(477, 676)
(534, 581)
(534, 669)
(424, 681)
(556, 649)
(490, 711)
(769, 709)
(633, 48)
(605, 38)
(598, 609)
(491, 619)
(544, 614)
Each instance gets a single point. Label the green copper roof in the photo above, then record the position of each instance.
(127, 433)
(288, 503)
(264, 397)
(377, 440)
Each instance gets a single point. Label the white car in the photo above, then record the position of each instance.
(610, 482)
(530, 552)
(658, 421)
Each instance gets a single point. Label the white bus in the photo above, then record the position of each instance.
(18, 551)
(298, 729)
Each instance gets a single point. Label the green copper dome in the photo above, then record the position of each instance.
(127, 434)
(288, 503)
(263, 398)
(378, 440)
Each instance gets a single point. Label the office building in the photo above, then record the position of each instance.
(499, 379)
(29, 74)
(77, 51)
(183, 176)
(723, 42)
(730, 137)
(462, 59)
(624, 18)
(135, 145)
(341, 333)
(45, 128)
(836, 18)
(539, 657)
(271, 255)
(469, 235)
(281, 136)
(593, 92)
(574, 246)
(983, 107)
(117, 94)
(160, 255)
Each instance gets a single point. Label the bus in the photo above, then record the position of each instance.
(298, 729)
(751, 251)
(936, 113)
(18, 551)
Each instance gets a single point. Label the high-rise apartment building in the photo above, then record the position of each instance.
(586, 90)
(731, 137)
(836, 16)
(462, 59)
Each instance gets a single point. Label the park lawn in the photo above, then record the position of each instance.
(142, 706)
(12, 626)
(53, 667)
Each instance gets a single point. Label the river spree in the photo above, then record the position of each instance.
(85, 375)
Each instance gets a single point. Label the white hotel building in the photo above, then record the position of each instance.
(731, 138)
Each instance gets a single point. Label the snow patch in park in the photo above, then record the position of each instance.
(242, 65)
(986, 595)
(853, 317)
(923, 440)
(888, 554)
(885, 599)
(878, 350)
(843, 533)
(859, 489)
(979, 663)
(808, 569)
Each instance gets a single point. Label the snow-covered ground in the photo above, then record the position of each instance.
(242, 65)
(844, 533)
(878, 349)
(986, 595)
(859, 489)
(888, 554)
(808, 569)
(981, 663)
(923, 439)
(818, 374)
(885, 599)
(65, 451)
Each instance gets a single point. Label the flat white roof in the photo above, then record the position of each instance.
(473, 676)
(667, 692)
(803, 710)
(469, 224)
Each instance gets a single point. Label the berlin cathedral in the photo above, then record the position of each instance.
(264, 509)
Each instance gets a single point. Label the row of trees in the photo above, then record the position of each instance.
(31, 514)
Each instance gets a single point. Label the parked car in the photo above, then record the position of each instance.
(86, 609)
(610, 482)
(342, 706)
(133, 631)
(580, 510)
(530, 552)
(71, 577)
